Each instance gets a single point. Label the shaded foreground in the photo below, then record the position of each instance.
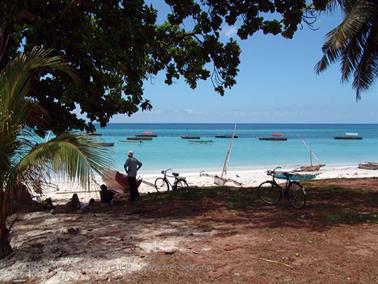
(220, 235)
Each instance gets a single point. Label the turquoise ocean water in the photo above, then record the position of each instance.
(168, 150)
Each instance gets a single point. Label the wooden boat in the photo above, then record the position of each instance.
(294, 176)
(131, 141)
(368, 166)
(274, 137)
(105, 144)
(146, 134)
(348, 136)
(201, 141)
(94, 134)
(189, 137)
(139, 138)
(221, 180)
(226, 136)
(311, 167)
(117, 181)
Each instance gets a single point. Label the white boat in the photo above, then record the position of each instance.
(348, 136)
(221, 180)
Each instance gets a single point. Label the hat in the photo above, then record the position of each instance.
(130, 154)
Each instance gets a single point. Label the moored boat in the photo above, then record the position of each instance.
(190, 137)
(226, 136)
(274, 137)
(201, 141)
(348, 136)
(131, 141)
(368, 166)
(94, 134)
(146, 134)
(139, 138)
(311, 167)
(105, 144)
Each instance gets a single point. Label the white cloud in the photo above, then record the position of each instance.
(229, 31)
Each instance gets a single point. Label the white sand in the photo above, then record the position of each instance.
(248, 178)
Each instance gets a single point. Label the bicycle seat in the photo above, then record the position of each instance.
(175, 174)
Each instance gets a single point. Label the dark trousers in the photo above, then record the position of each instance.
(134, 194)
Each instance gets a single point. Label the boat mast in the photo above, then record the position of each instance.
(224, 171)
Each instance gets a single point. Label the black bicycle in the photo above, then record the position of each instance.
(271, 192)
(162, 183)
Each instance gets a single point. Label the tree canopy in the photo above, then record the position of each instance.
(115, 46)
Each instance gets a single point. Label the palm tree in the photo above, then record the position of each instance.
(73, 155)
(354, 42)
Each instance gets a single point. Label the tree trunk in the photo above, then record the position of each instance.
(5, 248)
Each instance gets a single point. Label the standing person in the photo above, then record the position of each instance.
(132, 165)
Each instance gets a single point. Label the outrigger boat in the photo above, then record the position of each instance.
(368, 166)
(221, 180)
(139, 138)
(311, 167)
(105, 144)
(201, 141)
(94, 134)
(131, 141)
(348, 136)
(226, 136)
(274, 137)
(147, 134)
(190, 137)
(294, 176)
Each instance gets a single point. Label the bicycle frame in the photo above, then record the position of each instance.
(166, 176)
(288, 181)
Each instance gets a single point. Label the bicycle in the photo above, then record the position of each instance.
(271, 192)
(162, 183)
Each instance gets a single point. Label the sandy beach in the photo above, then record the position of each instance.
(62, 190)
(207, 235)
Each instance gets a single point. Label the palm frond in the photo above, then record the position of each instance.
(74, 156)
(354, 42)
(340, 37)
(14, 107)
(367, 68)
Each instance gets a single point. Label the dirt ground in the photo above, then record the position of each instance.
(206, 235)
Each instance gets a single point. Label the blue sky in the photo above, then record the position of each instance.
(276, 84)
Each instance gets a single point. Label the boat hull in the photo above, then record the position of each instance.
(368, 166)
(189, 137)
(146, 135)
(225, 136)
(139, 138)
(347, 137)
(201, 141)
(272, 138)
(105, 144)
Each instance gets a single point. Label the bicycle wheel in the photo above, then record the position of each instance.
(182, 185)
(161, 185)
(296, 195)
(269, 192)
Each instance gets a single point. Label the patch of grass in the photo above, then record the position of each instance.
(242, 199)
(192, 194)
(349, 217)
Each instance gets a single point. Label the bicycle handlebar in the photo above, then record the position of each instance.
(165, 171)
(271, 172)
